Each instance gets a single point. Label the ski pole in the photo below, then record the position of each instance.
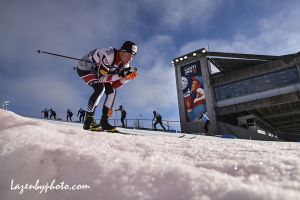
(59, 55)
(69, 57)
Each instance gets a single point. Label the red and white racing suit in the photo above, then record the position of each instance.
(100, 69)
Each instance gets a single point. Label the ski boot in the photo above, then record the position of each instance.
(106, 112)
(89, 123)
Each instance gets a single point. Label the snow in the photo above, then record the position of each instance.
(150, 165)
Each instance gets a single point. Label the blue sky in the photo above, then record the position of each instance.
(162, 30)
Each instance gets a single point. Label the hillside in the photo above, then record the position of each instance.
(146, 166)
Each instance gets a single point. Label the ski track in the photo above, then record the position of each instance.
(149, 165)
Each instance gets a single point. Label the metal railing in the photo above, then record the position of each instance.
(147, 124)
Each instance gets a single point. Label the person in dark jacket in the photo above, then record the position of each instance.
(81, 114)
(69, 115)
(123, 115)
(45, 113)
(203, 117)
(52, 114)
(158, 120)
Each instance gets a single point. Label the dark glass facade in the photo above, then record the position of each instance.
(258, 84)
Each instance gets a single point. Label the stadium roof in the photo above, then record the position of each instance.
(228, 62)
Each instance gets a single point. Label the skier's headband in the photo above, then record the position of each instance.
(129, 47)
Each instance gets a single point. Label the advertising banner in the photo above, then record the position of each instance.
(193, 91)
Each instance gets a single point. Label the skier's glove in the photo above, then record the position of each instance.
(128, 73)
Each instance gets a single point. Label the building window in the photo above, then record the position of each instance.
(258, 84)
(266, 82)
(287, 77)
(225, 92)
(243, 87)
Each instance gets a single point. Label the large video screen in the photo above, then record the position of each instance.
(193, 91)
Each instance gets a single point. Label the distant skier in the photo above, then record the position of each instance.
(203, 117)
(158, 120)
(123, 115)
(69, 115)
(45, 113)
(52, 114)
(81, 114)
(108, 71)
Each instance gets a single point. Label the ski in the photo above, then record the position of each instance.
(185, 136)
(119, 132)
(127, 133)
(111, 131)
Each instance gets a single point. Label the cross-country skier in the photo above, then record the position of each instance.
(108, 71)
(69, 115)
(45, 113)
(53, 113)
(123, 115)
(81, 114)
(158, 120)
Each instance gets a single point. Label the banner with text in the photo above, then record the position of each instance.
(193, 91)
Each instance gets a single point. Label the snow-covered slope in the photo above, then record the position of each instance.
(127, 167)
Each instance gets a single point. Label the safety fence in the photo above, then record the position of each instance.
(148, 124)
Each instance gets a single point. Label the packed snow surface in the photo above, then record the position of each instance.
(149, 165)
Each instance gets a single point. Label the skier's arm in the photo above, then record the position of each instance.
(104, 64)
(119, 83)
(124, 76)
(104, 77)
(154, 117)
(103, 70)
(128, 73)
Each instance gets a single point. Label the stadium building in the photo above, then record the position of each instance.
(249, 96)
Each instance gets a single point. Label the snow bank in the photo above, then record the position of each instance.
(129, 167)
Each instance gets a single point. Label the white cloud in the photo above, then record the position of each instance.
(277, 35)
(175, 13)
(64, 26)
(154, 89)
